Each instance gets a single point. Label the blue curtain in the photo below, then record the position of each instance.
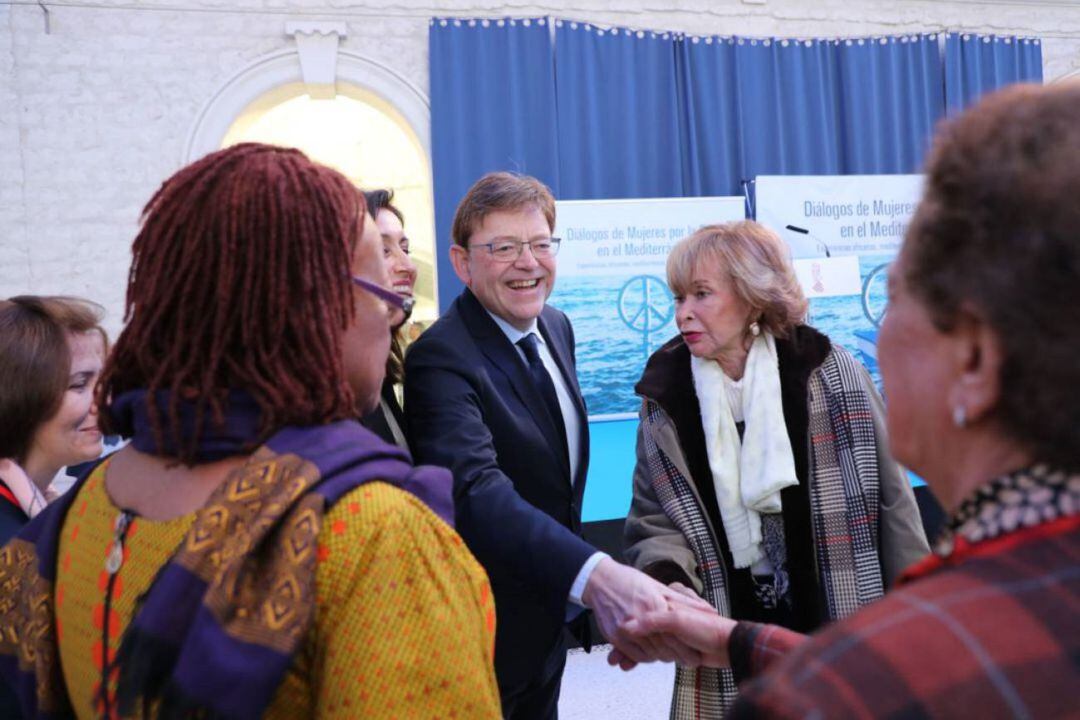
(890, 96)
(492, 108)
(787, 95)
(711, 152)
(779, 107)
(977, 64)
(618, 113)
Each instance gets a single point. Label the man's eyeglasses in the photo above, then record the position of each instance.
(391, 298)
(508, 250)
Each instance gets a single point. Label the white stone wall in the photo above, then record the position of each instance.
(14, 265)
(94, 113)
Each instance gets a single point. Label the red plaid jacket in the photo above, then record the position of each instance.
(991, 632)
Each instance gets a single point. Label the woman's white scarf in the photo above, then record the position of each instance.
(749, 474)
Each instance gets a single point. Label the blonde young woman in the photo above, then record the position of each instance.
(387, 420)
(763, 480)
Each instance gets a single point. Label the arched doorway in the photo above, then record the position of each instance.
(375, 130)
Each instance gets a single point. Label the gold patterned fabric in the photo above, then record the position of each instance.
(249, 504)
(26, 630)
(403, 615)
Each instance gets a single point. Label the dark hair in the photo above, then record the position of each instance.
(239, 280)
(395, 363)
(496, 192)
(996, 232)
(35, 362)
(382, 200)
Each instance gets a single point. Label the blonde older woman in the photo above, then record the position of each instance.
(986, 627)
(763, 480)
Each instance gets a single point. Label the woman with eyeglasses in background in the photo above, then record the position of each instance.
(387, 420)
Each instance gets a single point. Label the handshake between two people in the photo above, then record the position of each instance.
(646, 621)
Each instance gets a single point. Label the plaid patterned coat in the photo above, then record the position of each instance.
(989, 630)
(837, 521)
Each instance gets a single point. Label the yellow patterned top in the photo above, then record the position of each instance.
(404, 623)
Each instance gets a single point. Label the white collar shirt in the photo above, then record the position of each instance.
(566, 402)
(573, 439)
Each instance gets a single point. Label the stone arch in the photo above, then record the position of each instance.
(257, 82)
(1070, 76)
(317, 67)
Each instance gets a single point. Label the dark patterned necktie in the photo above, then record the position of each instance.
(544, 384)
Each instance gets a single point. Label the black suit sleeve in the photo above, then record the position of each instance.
(445, 397)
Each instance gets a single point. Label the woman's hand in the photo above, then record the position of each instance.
(704, 631)
(688, 592)
(617, 593)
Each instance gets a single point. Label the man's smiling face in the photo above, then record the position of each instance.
(513, 290)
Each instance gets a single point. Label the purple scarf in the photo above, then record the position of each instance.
(218, 628)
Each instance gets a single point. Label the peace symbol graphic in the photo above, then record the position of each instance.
(875, 294)
(645, 305)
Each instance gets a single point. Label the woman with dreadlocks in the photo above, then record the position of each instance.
(253, 552)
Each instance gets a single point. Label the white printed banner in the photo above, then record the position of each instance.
(843, 231)
(620, 237)
(828, 277)
(612, 283)
(838, 214)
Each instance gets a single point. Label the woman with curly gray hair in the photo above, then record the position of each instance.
(763, 481)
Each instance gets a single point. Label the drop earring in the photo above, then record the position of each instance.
(755, 329)
(959, 416)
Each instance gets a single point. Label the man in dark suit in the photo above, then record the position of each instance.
(491, 392)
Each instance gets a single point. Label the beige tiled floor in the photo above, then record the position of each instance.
(593, 690)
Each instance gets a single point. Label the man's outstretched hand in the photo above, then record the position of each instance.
(619, 596)
(705, 632)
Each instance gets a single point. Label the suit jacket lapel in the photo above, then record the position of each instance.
(561, 353)
(504, 356)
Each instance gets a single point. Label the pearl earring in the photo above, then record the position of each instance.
(755, 329)
(959, 416)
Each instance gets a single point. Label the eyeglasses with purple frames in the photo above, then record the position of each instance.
(404, 304)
